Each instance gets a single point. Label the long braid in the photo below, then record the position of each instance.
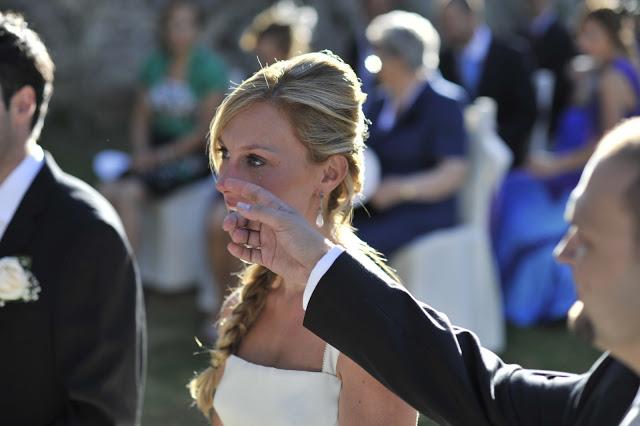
(255, 285)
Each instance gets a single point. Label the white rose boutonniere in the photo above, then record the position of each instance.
(17, 282)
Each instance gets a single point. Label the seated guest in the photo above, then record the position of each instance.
(487, 66)
(181, 84)
(417, 132)
(529, 218)
(552, 49)
(279, 32)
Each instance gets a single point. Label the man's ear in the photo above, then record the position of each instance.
(334, 171)
(23, 105)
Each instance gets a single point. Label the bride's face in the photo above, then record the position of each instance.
(260, 146)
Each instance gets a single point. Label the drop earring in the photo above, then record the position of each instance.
(320, 217)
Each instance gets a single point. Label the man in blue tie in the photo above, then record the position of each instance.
(488, 66)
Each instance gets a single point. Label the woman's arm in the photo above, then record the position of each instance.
(616, 97)
(364, 401)
(434, 185)
(139, 132)
(546, 164)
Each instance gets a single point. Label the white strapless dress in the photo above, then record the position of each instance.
(251, 394)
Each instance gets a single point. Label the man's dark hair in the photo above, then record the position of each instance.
(282, 36)
(24, 61)
(475, 7)
(282, 26)
(613, 24)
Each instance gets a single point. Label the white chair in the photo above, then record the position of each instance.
(453, 270)
(172, 255)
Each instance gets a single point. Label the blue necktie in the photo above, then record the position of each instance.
(470, 70)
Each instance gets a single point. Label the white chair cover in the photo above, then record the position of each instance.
(172, 255)
(453, 270)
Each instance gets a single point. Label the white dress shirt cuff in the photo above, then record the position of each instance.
(318, 272)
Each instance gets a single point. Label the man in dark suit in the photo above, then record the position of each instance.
(486, 66)
(358, 47)
(71, 313)
(552, 49)
(442, 370)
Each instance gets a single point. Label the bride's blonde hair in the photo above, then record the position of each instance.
(322, 98)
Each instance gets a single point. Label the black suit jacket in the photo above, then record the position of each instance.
(442, 370)
(506, 77)
(553, 50)
(75, 356)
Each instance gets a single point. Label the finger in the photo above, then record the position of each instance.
(254, 239)
(243, 236)
(256, 256)
(249, 191)
(253, 225)
(230, 222)
(234, 220)
(246, 254)
(239, 251)
(240, 236)
(273, 217)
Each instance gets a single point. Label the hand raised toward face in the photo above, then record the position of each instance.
(268, 232)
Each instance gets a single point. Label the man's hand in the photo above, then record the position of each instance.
(270, 233)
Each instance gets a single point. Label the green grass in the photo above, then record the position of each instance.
(173, 321)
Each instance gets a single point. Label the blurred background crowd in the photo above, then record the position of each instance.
(482, 115)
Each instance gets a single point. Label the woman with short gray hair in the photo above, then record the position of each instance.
(407, 36)
(417, 132)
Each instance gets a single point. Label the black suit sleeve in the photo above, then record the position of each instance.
(517, 109)
(440, 370)
(100, 331)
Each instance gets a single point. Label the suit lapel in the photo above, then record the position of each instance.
(23, 225)
(486, 73)
(449, 67)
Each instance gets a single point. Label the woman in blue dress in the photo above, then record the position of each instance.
(418, 134)
(529, 211)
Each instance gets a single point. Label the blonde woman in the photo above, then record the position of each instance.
(295, 128)
(277, 33)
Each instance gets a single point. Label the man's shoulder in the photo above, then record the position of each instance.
(558, 30)
(608, 366)
(605, 392)
(76, 203)
(513, 46)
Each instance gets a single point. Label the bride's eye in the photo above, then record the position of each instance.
(222, 152)
(255, 161)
